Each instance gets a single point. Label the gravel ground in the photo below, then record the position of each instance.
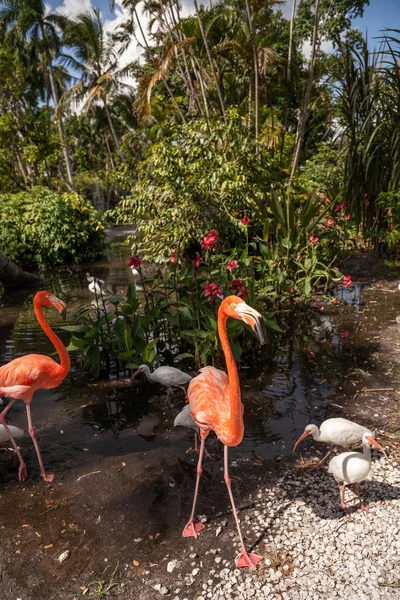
(312, 549)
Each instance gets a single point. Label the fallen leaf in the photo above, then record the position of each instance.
(26, 525)
(38, 534)
(136, 563)
(49, 502)
(63, 523)
(123, 463)
(48, 546)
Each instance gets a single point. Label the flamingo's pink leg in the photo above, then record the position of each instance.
(192, 527)
(245, 559)
(22, 471)
(46, 477)
(321, 462)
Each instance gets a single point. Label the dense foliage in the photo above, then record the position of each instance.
(41, 228)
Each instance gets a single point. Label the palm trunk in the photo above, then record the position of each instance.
(255, 61)
(60, 123)
(288, 76)
(207, 47)
(303, 115)
(113, 133)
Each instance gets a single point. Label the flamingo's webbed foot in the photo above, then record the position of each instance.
(192, 529)
(248, 559)
(48, 477)
(22, 471)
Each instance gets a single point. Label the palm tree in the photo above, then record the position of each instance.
(95, 59)
(28, 19)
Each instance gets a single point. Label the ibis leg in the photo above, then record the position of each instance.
(321, 462)
(362, 505)
(22, 471)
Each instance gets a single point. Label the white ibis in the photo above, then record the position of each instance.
(353, 467)
(168, 376)
(336, 432)
(185, 419)
(96, 285)
(16, 432)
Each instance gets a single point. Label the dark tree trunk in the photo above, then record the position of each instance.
(12, 276)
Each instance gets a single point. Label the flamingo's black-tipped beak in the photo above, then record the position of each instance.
(63, 313)
(259, 329)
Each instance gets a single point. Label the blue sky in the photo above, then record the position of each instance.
(379, 15)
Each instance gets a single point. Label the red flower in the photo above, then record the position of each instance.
(209, 240)
(347, 281)
(172, 258)
(347, 217)
(291, 289)
(211, 290)
(324, 198)
(134, 261)
(345, 204)
(246, 220)
(319, 307)
(335, 301)
(232, 265)
(338, 207)
(330, 223)
(344, 334)
(197, 260)
(309, 352)
(313, 240)
(237, 285)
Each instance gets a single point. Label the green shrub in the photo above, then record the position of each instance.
(41, 228)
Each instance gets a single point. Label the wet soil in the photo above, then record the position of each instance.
(125, 477)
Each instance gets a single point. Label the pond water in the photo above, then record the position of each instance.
(289, 385)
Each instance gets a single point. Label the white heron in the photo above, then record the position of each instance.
(168, 376)
(336, 432)
(353, 467)
(96, 285)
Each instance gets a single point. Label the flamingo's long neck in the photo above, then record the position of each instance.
(233, 377)
(55, 340)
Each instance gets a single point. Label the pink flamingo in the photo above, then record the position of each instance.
(215, 404)
(20, 378)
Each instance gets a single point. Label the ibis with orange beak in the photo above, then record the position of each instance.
(353, 467)
(336, 432)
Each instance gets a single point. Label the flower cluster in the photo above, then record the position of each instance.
(340, 207)
(324, 198)
(329, 224)
(197, 260)
(209, 240)
(232, 265)
(246, 220)
(313, 240)
(347, 281)
(237, 285)
(134, 261)
(211, 291)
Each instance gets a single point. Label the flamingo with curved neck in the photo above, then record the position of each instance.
(215, 404)
(20, 378)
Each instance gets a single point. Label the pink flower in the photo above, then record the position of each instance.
(211, 290)
(347, 217)
(291, 289)
(237, 285)
(325, 199)
(246, 220)
(319, 307)
(232, 265)
(197, 260)
(172, 258)
(347, 281)
(313, 240)
(345, 204)
(209, 240)
(330, 223)
(344, 334)
(338, 207)
(335, 301)
(134, 261)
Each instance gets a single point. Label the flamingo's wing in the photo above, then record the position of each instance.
(208, 396)
(26, 370)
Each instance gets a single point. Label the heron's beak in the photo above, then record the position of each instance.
(373, 442)
(303, 435)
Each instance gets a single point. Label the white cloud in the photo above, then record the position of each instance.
(71, 8)
(325, 47)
